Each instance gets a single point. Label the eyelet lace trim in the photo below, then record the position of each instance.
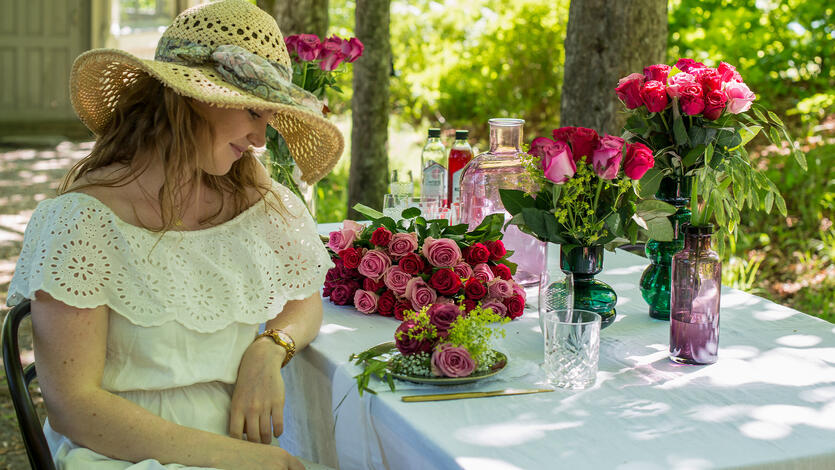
(244, 270)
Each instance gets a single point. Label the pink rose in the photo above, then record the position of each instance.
(451, 361)
(291, 42)
(499, 289)
(396, 279)
(402, 244)
(657, 72)
(352, 49)
(443, 316)
(483, 273)
(688, 65)
(331, 54)
(496, 305)
(518, 290)
(441, 253)
(715, 101)
(740, 97)
(407, 344)
(558, 163)
(639, 159)
(374, 264)
(365, 301)
(463, 270)
(419, 293)
(607, 156)
(654, 94)
(308, 47)
(341, 239)
(728, 73)
(629, 90)
(349, 224)
(677, 82)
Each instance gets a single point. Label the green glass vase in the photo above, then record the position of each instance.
(584, 262)
(655, 282)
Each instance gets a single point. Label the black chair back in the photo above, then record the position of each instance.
(18, 380)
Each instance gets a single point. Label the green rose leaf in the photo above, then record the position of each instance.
(372, 214)
(649, 183)
(410, 213)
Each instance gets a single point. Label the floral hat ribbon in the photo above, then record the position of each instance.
(264, 78)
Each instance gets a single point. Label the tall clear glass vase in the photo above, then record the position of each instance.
(694, 301)
(283, 169)
(481, 179)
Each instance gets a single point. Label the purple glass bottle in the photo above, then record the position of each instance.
(481, 179)
(696, 283)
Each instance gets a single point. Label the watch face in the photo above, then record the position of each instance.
(286, 338)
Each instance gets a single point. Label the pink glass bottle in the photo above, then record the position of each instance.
(501, 167)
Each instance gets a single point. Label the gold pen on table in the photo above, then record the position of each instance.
(460, 395)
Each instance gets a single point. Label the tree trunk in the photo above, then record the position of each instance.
(367, 182)
(298, 16)
(605, 41)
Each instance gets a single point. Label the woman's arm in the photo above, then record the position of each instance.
(259, 390)
(70, 350)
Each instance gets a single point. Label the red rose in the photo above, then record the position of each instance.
(654, 95)
(478, 253)
(657, 72)
(502, 271)
(386, 303)
(709, 78)
(401, 306)
(350, 257)
(343, 292)
(563, 134)
(629, 90)
(469, 305)
(333, 274)
(412, 264)
(692, 100)
(515, 306)
(445, 281)
(715, 101)
(371, 285)
(474, 289)
(583, 142)
(407, 345)
(497, 250)
(639, 159)
(381, 237)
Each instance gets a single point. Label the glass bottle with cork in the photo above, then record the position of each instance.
(433, 164)
(459, 155)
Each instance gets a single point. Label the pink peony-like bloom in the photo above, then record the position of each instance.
(441, 253)
(483, 273)
(402, 244)
(308, 47)
(374, 264)
(463, 270)
(715, 101)
(557, 160)
(365, 301)
(739, 96)
(339, 240)
(629, 90)
(639, 159)
(396, 279)
(654, 94)
(499, 289)
(451, 361)
(496, 305)
(419, 293)
(607, 156)
(657, 72)
(443, 316)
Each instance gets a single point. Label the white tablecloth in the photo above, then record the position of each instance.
(769, 402)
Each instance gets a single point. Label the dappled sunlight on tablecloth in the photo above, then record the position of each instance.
(511, 433)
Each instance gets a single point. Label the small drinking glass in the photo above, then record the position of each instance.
(401, 183)
(572, 347)
(393, 205)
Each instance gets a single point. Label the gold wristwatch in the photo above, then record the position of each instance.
(282, 339)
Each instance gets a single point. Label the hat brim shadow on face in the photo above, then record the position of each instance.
(99, 77)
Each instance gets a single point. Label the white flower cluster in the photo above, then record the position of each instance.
(486, 361)
(414, 364)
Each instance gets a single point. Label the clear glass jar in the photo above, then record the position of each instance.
(501, 167)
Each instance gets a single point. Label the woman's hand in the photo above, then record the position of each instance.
(261, 457)
(259, 393)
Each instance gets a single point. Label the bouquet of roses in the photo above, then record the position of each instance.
(439, 340)
(698, 119)
(586, 195)
(390, 267)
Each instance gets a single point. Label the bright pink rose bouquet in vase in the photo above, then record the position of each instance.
(697, 119)
(586, 201)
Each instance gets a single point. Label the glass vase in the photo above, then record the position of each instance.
(284, 170)
(694, 301)
(583, 263)
(655, 282)
(481, 179)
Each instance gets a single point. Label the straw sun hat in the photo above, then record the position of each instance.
(229, 54)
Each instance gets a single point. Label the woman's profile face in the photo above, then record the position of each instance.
(234, 131)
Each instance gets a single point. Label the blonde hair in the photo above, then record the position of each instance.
(150, 122)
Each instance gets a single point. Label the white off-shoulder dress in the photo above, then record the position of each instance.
(183, 306)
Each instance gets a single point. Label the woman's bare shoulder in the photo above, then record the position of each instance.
(97, 183)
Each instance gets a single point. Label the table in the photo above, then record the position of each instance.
(768, 403)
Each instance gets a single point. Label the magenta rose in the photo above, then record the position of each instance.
(679, 81)
(412, 263)
(402, 244)
(708, 78)
(400, 307)
(740, 97)
(291, 42)
(419, 293)
(343, 292)
(497, 250)
(451, 361)
(482, 272)
(691, 99)
(558, 165)
(496, 305)
(386, 303)
(409, 345)
(607, 156)
(657, 72)
(639, 159)
(463, 270)
(441, 253)
(333, 274)
(728, 73)
(381, 237)
(443, 316)
(445, 281)
(654, 94)
(308, 47)
(352, 49)
(518, 290)
(715, 101)
(341, 239)
(396, 279)
(629, 90)
(502, 271)
(688, 65)
(374, 264)
(365, 301)
(583, 142)
(331, 53)
(499, 289)
(563, 134)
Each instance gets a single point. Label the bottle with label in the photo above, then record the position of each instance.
(433, 164)
(459, 155)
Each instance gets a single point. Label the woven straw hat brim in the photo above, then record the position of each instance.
(99, 76)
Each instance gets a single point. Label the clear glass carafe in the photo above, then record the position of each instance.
(501, 167)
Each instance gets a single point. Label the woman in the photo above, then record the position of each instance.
(168, 246)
